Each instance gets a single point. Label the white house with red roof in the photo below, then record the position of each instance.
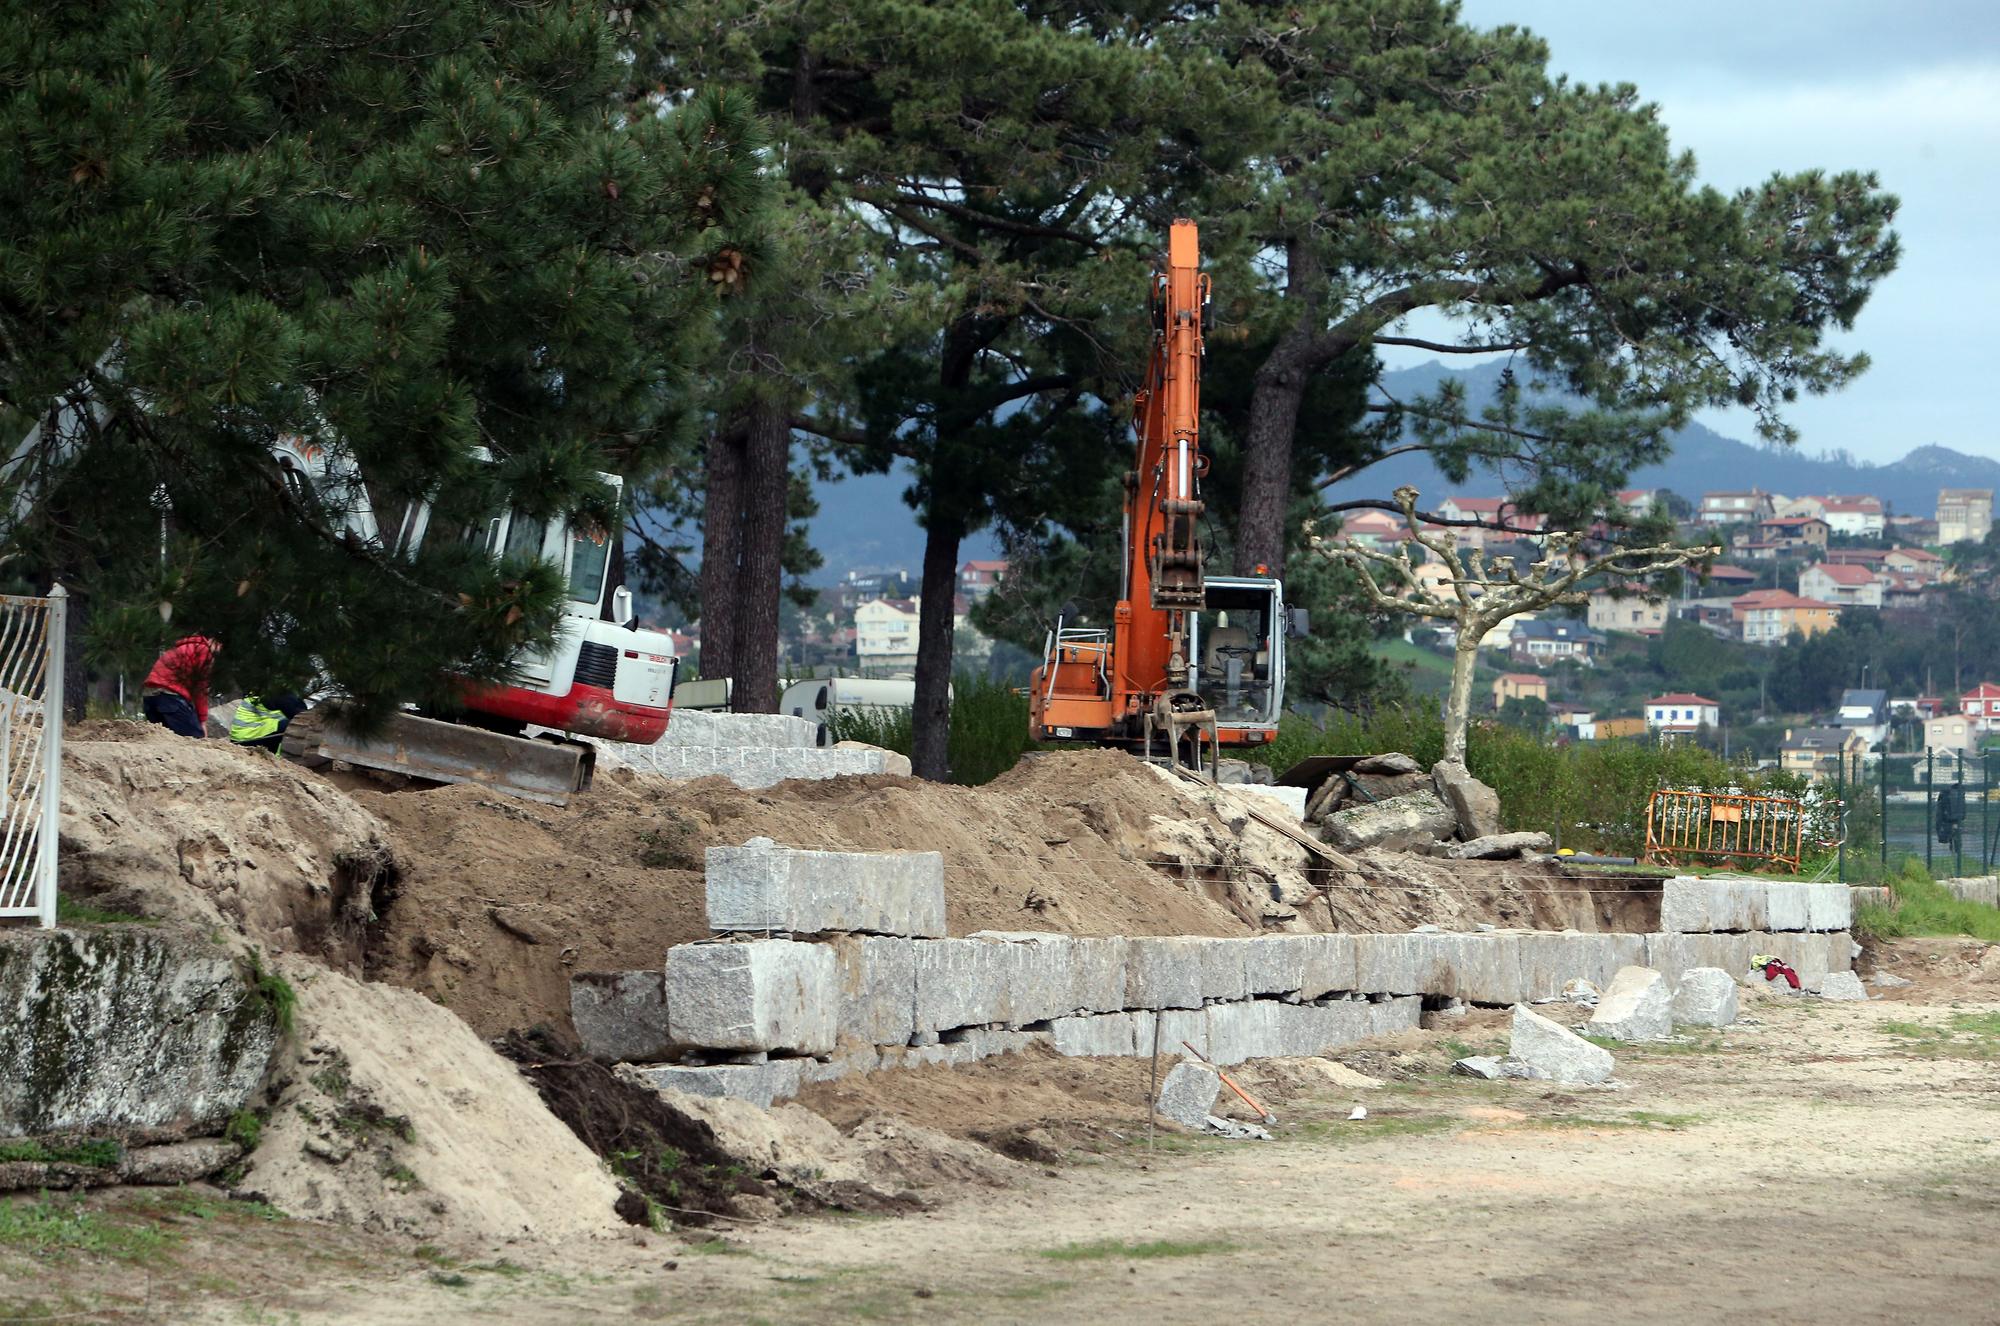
(1849, 586)
(1681, 712)
(977, 579)
(1981, 704)
(1861, 516)
(1489, 511)
(1769, 616)
(1374, 529)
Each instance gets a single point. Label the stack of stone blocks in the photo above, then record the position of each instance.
(834, 963)
(751, 750)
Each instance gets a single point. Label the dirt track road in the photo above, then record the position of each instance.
(1832, 1163)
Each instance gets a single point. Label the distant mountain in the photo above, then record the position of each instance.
(1702, 459)
(864, 522)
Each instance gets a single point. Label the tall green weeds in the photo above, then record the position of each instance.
(989, 728)
(1922, 906)
(1590, 796)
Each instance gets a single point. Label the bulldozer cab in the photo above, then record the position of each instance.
(1238, 647)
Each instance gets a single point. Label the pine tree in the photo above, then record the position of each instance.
(1016, 168)
(406, 230)
(1415, 163)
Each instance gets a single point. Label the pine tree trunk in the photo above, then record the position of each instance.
(1458, 707)
(930, 750)
(766, 489)
(1267, 469)
(721, 551)
(1275, 395)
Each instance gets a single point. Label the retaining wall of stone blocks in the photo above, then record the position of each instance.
(764, 1017)
(750, 767)
(1690, 904)
(1968, 888)
(707, 728)
(760, 886)
(751, 750)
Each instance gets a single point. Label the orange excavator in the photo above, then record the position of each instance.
(1191, 662)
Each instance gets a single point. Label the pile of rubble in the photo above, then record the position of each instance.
(1389, 802)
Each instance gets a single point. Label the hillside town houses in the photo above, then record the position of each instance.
(1797, 565)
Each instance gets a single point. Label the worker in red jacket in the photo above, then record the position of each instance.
(176, 691)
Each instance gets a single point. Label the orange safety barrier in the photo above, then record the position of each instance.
(1684, 825)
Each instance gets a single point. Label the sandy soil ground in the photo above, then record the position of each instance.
(1823, 1162)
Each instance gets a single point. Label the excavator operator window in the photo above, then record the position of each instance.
(1233, 635)
(589, 553)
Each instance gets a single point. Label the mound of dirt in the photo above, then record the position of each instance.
(487, 904)
(204, 832)
(390, 1114)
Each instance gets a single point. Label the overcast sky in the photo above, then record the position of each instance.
(1910, 90)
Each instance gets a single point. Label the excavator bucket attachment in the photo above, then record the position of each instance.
(437, 752)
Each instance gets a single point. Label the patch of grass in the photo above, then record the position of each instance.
(716, 1247)
(274, 990)
(1964, 1036)
(1154, 1250)
(97, 1153)
(1636, 1119)
(1376, 1127)
(333, 1080)
(1922, 906)
(245, 1128)
(1696, 1044)
(367, 1118)
(71, 912)
(198, 1205)
(59, 1227)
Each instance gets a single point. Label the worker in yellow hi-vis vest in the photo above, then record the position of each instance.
(263, 726)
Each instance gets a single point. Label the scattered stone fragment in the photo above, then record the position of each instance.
(1581, 992)
(1887, 980)
(1475, 807)
(1498, 847)
(1391, 762)
(1242, 1132)
(1486, 1066)
(1552, 1052)
(1842, 985)
(1706, 998)
(1637, 1006)
(1187, 1093)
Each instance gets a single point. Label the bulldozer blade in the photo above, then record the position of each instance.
(438, 752)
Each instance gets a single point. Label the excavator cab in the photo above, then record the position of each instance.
(1238, 642)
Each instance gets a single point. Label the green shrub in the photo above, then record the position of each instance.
(1922, 906)
(989, 729)
(1590, 796)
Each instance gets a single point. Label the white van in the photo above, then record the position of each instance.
(819, 698)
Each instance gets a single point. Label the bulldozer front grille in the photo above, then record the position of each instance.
(596, 665)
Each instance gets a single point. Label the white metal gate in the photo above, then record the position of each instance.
(31, 708)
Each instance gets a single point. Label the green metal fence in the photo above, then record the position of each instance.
(1938, 807)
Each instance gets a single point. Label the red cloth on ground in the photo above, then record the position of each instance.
(184, 670)
(1773, 970)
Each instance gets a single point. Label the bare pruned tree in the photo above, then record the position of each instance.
(1475, 597)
